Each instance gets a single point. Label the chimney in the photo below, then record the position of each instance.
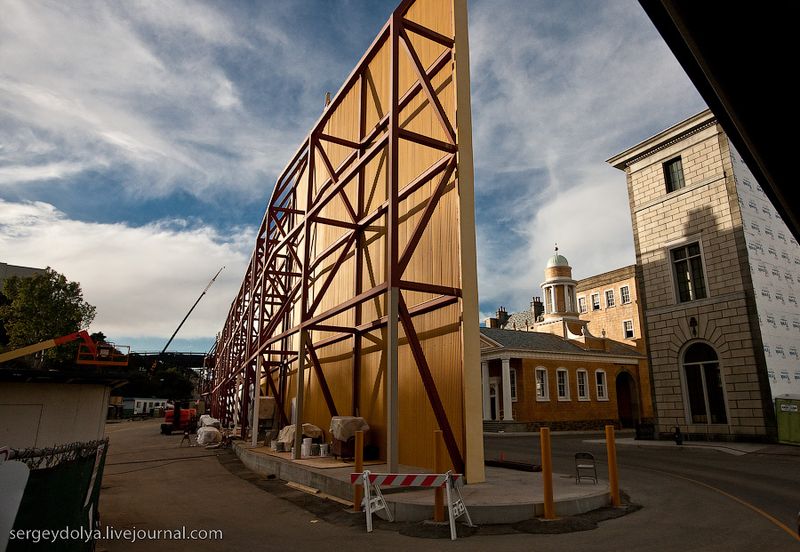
(502, 316)
(537, 307)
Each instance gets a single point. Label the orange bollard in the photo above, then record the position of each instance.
(439, 466)
(358, 491)
(613, 476)
(547, 473)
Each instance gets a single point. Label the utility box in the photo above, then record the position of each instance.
(787, 411)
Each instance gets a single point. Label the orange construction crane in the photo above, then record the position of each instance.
(104, 354)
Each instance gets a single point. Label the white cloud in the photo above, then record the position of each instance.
(141, 279)
(141, 87)
(572, 88)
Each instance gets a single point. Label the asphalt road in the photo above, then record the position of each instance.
(765, 482)
(152, 483)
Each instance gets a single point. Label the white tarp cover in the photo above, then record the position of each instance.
(208, 435)
(208, 421)
(344, 427)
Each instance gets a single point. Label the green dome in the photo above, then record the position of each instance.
(557, 260)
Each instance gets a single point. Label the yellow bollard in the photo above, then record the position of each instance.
(439, 466)
(359, 454)
(613, 477)
(547, 473)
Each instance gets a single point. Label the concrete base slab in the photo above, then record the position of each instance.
(507, 496)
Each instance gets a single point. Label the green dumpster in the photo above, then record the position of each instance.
(787, 410)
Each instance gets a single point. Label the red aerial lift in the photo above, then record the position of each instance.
(89, 352)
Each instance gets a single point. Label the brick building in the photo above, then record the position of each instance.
(551, 371)
(696, 288)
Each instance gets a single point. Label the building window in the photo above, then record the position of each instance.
(779, 296)
(704, 385)
(768, 231)
(793, 299)
(600, 385)
(595, 301)
(776, 273)
(785, 377)
(766, 350)
(752, 204)
(627, 328)
(582, 305)
(625, 294)
(542, 392)
(765, 293)
(513, 377)
(785, 323)
(609, 298)
(771, 376)
(793, 352)
(583, 385)
(782, 237)
(779, 351)
(562, 384)
(772, 252)
(754, 226)
(771, 320)
(766, 211)
(673, 174)
(788, 276)
(763, 268)
(688, 267)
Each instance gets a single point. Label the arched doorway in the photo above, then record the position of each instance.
(704, 388)
(626, 400)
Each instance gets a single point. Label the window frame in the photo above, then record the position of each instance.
(685, 245)
(593, 297)
(625, 329)
(597, 385)
(545, 384)
(578, 373)
(626, 292)
(613, 299)
(566, 396)
(673, 180)
(582, 308)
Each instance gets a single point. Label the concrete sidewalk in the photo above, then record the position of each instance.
(507, 496)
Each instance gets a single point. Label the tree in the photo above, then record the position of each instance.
(44, 307)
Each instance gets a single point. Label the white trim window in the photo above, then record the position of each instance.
(542, 388)
(595, 301)
(609, 298)
(625, 294)
(582, 305)
(627, 329)
(582, 377)
(687, 268)
(562, 384)
(601, 385)
(513, 377)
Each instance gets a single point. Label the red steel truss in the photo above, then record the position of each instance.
(278, 311)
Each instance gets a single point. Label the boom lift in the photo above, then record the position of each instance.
(89, 352)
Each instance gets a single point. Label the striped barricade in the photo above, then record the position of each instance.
(373, 500)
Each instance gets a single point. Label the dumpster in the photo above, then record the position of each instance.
(787, 411)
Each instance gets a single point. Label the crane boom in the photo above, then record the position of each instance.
(164, 350)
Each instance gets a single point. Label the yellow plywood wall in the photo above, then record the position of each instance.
(437, 259)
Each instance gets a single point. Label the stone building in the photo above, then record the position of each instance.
(610, 303)
(696, 287)
(554, 372)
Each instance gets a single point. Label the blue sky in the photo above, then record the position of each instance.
(139, 141)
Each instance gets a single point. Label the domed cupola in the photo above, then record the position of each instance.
(559, 288)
